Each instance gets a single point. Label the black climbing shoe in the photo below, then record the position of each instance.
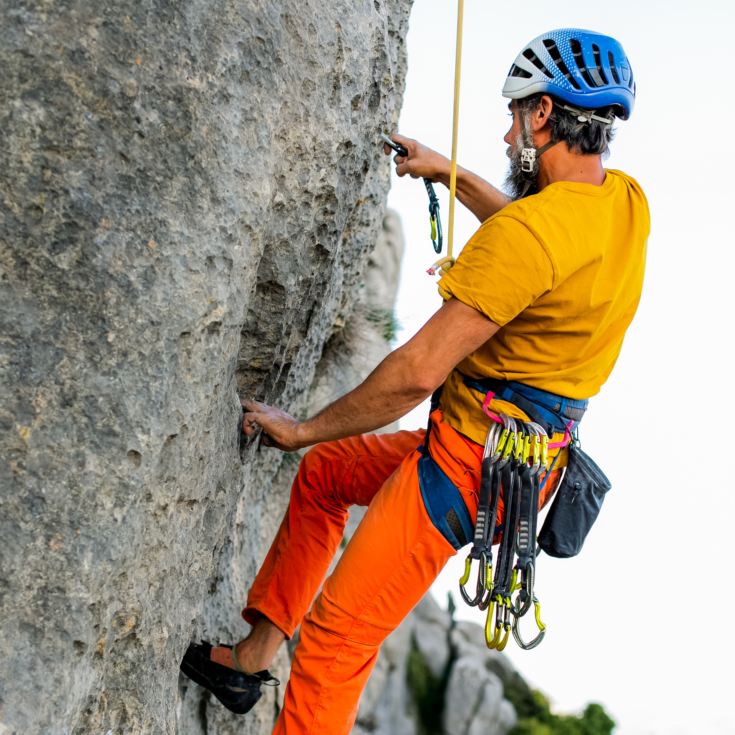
(236, 690)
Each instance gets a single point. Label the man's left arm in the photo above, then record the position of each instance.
(406, 377)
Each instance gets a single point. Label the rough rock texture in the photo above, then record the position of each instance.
(188, 192)
(357, 345)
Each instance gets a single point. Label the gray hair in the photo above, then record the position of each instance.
(591, 136)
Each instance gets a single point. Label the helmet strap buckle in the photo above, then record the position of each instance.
(528, 160)
(586, 116)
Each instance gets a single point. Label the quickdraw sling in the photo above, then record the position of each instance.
(514, 454)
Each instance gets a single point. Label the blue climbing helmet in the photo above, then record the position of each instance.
(583, 68)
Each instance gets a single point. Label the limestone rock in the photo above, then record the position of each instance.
(188, 194)
(474, 700)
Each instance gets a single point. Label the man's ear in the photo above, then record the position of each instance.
(541, 114)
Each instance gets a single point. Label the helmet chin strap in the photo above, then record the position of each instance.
(530, 154)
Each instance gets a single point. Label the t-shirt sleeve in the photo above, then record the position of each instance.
(500, 271)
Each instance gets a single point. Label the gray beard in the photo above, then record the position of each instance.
(516, 184)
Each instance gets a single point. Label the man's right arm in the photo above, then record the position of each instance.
(479, 196)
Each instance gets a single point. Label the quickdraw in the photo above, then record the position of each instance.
(516, 454)
(437, 237)
(492, 463)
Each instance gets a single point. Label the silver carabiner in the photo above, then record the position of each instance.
(541, 628)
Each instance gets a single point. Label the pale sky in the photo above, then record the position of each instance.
(641, 621)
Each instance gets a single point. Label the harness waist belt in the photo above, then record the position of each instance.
(552, 411)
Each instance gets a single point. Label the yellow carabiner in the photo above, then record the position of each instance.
(545, 451)
(536, 450)
(520, 442)
(467, 568)
(510, 444)
(502, 643)
(489, 638)
(526, 448)
(433, 228)
(501, 442)
(489, 575)
(537, 615)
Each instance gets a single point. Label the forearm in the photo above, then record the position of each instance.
(388, 393)
(478, 195)
(404, 379)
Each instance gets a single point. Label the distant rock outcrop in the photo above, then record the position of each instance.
(436, 676)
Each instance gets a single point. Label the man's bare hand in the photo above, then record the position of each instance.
(280, 430)
(421, 162)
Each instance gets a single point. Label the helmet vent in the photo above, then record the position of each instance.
(551, 47)
(611, 61)
(516, 71)
(576, 47)
(537, 62)
(599, 72)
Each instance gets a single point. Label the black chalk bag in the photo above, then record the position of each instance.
(576, 506)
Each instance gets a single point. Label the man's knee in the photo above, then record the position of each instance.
(335, 620)
(321, 470)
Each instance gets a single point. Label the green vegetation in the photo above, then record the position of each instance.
(532, 707)
(536, 718)
(427, 692)
(386, 321)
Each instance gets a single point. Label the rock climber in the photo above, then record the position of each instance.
(542, 295)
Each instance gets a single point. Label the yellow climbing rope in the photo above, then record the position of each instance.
(447, 262)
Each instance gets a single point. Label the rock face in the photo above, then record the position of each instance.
(188, 194)
(358, 343)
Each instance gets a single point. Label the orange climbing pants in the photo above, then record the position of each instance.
(388, 565)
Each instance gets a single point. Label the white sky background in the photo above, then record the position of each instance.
(642, 620)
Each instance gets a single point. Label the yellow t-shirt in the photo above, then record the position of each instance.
(561, 272)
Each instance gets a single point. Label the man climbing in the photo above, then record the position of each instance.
(541, 296)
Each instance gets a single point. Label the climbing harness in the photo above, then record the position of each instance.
(437, 238)
(515, 457)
